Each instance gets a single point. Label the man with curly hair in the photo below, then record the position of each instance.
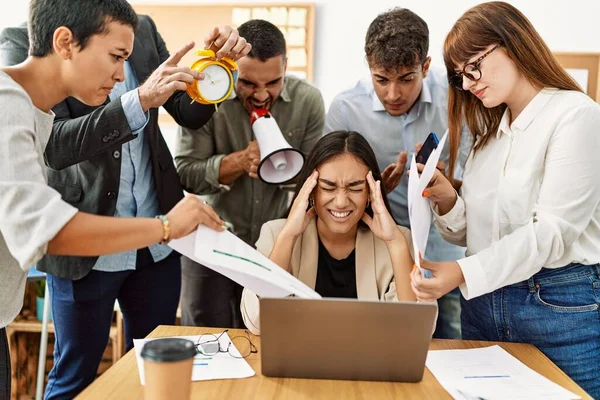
(395, 110)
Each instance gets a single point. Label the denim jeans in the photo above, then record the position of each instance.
(557, 310)
(83, 309)
(448, 320)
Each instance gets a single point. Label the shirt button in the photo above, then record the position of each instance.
(111, 195)
(132, 155)
(116, 154)
(257, 201)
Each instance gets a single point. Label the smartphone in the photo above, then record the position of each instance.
(428, 147)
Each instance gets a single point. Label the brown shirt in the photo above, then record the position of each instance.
(247, 203)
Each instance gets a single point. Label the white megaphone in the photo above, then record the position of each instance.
(279, 162)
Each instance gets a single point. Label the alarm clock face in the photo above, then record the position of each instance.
(216, 83)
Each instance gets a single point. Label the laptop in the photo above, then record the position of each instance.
(345, 339)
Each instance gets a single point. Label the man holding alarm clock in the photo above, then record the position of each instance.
(397, 110)
(112, 160)
(221, 160)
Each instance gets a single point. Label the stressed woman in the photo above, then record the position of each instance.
(339, 237)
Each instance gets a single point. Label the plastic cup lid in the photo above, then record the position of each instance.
(168, 350)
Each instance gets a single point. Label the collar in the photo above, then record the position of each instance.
(529, 113)
(424, 97)
(285, 95)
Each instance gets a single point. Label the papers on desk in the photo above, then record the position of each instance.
(490, 373)
(419, 211)
(228, 255)
(219, 366)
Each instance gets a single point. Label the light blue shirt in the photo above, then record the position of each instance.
(137, 191)
(359, 109)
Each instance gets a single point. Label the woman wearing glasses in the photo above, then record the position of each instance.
(339, 237)
(529, 206)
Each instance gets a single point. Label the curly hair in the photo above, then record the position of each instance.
(266, 39)
(397, 38)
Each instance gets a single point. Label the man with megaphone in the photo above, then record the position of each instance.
(253, 144)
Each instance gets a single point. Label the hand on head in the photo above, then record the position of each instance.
(382, 224)
(299, 218)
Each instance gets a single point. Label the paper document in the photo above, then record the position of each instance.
(228, 255)
(219, 366)
(419, 211)
(490, 373)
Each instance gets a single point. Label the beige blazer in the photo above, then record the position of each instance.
(374, 273)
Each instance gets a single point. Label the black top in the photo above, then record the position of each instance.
(336, 278)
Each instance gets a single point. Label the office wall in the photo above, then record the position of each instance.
(340, 29)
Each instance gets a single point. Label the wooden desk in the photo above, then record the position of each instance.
(122, 381)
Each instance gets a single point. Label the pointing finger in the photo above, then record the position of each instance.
(174, 59)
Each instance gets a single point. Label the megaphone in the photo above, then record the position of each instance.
(279, 161)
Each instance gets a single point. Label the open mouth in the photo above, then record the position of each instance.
(256, 105)
(340, 215)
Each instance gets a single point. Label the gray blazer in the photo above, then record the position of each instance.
(84, 150)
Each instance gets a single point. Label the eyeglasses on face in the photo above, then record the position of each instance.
(238, 347)
(470, 70)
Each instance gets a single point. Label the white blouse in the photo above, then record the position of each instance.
(530, 198)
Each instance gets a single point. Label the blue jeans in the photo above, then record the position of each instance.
(83, 309)
(557, 310)
(448, 320)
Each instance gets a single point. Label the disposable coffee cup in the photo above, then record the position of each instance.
(168, 367)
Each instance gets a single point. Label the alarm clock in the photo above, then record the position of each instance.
(219, 76)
